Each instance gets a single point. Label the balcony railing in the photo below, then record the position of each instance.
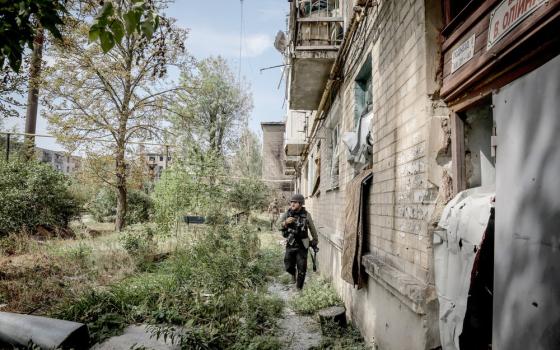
(317, 24)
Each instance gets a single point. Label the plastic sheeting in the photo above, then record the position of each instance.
(359, 143)
(461, 230)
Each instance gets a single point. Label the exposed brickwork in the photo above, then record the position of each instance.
(402, 200)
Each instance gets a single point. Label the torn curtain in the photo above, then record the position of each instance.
(354, 228)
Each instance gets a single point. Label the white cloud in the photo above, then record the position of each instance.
(256, 44)
(207, 41)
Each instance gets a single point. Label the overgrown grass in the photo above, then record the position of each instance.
(209, 295)
(345, 339)
(212, 286)
(37, 279)
(317, 294)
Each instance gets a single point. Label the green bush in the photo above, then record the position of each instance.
(248, 194)
(137, 241)
(317, 294)
(213, 290)
(348, 338)
(192, 186)
(104, 206)
(33, 194)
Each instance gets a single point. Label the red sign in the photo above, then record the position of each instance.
(507, 15)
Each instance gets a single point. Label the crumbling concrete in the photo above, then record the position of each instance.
(136, 337)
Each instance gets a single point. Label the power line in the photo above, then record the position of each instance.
(240, 42)
(87, 139)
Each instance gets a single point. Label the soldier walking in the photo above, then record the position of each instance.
(295, 224)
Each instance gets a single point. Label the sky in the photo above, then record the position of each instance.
(214, 29)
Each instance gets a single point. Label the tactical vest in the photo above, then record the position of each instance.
(300, 224)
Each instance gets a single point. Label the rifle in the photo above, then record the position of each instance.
(314, 259)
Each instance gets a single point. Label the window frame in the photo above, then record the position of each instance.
(363, 87)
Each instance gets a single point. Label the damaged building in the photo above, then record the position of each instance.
(428, 153)
(274, 171)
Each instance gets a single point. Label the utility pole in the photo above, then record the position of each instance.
(240, 43)
(7, 147)
(33, 93)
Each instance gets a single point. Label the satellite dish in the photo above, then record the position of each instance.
(281, 42)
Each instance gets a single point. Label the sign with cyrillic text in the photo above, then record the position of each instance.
(462, 54)
(507, 15)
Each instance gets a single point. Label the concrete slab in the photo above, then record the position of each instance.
(135, 337)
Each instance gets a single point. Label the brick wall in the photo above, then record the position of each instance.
(398, 39)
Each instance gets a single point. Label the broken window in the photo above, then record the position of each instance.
(473, 148)
(480, 165)
(363, 92)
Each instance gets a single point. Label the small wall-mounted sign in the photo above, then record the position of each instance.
(462, 54)
(507, 15)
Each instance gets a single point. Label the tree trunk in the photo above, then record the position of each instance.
(33, 93)
(122, 204)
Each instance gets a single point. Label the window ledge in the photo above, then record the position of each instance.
(334, 188)
(410, 291)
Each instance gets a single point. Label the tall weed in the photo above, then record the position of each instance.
(209, 295)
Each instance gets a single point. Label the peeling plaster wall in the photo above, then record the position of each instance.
(273, 157)
(527, 249)
(411, 152)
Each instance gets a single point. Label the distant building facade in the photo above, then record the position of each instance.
(274, 171)
(156, 164)
(61, 161)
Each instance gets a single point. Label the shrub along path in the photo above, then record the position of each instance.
(297, 332)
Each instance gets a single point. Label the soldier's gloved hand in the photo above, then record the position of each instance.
(314, 245)
(289, 221)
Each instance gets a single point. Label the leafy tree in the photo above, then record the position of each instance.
(33, 194)
(104, 203)
(213, 107)
(21, 20)
(119, 96)
(248, 194)
(247, 160)
(195, 185)
(12, 88)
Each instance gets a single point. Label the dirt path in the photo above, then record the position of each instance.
(297, 332)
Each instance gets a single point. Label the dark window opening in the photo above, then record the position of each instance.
(479, 161)
(457, 10)
(363, 92)
(286, 186)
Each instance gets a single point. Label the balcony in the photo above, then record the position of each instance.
(295, 136)
(316, 32)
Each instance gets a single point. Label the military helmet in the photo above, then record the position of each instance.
(298, 198)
